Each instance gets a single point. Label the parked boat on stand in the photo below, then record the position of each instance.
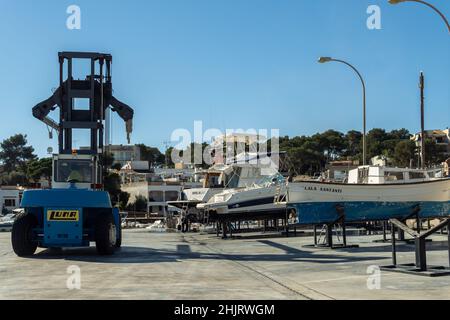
(372, 193)
(242, 189)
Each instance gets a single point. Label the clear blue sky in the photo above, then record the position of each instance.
(232, 63)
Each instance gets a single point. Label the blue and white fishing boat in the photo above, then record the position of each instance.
(372, 193)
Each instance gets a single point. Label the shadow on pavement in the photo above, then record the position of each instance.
(128, 254)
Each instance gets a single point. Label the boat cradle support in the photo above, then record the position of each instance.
(401, 233)
(420, 266)
(340, 221)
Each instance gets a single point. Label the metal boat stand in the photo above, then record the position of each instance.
(340, 221)
(401, 234)
(224, 227)
(420, 266)
(384, 239)
(221, 227)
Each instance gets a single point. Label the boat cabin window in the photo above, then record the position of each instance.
(416, 175)
(339, 175)
(232, 179)
(393, 176)
(155, 196)
(435, 174)
(363, 175)
(213, 181)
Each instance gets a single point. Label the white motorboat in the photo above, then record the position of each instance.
(257, 201)
(249, 182)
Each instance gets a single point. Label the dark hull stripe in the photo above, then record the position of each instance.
(251, 203)
(250, 215)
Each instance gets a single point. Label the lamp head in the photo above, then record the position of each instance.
(396, 1)
(324, 59)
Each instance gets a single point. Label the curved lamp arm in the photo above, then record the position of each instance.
(428, 5)
(328, 59)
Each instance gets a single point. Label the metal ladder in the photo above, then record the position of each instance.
(339, 232)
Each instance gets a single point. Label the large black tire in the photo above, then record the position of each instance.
(22, 235)
(55, 250)
(104, 240)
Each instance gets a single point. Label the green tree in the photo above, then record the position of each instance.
(151, 154)
(124, 197)
(106, 160)
(140, 204)
(15, 153)
(111, 184)
(168, 157)
(13, 178)
(404, 153)
(42, 168)
(401, 134)
(331, 143)
(353, 145)
(434, 154)
(375, 142)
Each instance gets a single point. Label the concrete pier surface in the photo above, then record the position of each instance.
(202, 266)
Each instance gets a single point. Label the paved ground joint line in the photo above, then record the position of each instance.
(271, 278)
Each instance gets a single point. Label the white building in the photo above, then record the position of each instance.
(440, 137)
(10, 198)
(380, 161)
(159, 194)
(124, 153)
(156, 193)
(236, 140)
(158, 187)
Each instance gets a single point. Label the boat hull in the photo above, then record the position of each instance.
(275, 212)
(246, 204)
(316, 202)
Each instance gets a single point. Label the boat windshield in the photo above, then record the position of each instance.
(247, 176)
(267, 181)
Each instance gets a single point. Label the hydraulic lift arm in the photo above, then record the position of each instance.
(42, 109)
(123, 110)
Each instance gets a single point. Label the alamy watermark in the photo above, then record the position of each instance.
(190, 149)
(374, 280)
(73, 21)
(374, 20)
(73, 282)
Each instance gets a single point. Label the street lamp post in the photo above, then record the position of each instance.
(328, 59)
(427, 4)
